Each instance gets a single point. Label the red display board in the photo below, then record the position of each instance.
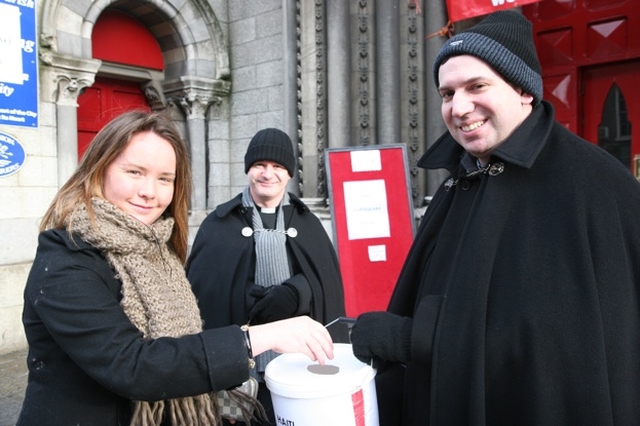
(373, 223)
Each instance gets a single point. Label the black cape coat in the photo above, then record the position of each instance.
(524, 287)
(87, 361)
(222, 260)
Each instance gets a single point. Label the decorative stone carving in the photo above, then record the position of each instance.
(321, 105)
(299, 100)
(69, 75)
(194, 95)
(364, 136)
(413, 131)
(154, 97)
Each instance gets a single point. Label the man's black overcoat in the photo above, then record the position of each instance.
(222, 260)
(534, 273)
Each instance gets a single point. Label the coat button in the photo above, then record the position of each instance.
(465, 185)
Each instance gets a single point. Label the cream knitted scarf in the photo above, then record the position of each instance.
(157, 297)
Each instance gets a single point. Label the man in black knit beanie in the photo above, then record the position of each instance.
(264, 256)
(518, 303)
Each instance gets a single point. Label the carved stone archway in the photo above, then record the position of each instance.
(196, 71)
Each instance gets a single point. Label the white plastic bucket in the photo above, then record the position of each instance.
(304, 393)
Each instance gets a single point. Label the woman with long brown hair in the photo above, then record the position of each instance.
(115, 335)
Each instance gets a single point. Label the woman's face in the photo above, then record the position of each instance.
(141, 180)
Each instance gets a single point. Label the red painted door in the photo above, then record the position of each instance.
(103, 101)
(119, 38)
(611, 108)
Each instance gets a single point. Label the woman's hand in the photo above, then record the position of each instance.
(294, 335)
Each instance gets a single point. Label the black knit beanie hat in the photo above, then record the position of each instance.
(270, 145)
(504, 40)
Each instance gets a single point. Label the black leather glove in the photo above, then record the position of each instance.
(273, 303)
(381, 336)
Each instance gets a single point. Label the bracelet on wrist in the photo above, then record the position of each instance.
(247, 343)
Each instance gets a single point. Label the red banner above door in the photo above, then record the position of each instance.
(465, 9)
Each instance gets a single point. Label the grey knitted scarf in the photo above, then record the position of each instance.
(272, 261)
(157, 297)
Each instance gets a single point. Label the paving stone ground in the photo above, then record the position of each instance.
(13, 381)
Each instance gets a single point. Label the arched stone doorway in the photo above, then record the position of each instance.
(196, 70)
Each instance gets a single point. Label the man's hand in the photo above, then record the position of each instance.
(380, 336)
(273, 303)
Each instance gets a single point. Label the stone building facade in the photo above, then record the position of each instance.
(331, 73)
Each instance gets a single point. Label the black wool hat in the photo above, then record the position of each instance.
(504, 40)
(271, 145)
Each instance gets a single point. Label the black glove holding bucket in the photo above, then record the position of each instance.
(381, 336)
(273, 303)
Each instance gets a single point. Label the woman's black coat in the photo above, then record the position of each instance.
(87, 361)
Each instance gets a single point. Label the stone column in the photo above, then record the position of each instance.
(194, 95)
(364, 74)
(413, 82)
(290, 84)
(338, 73)
(313, 98)
(388, 71)
(67, 77)
(435, 20)
(195, 107)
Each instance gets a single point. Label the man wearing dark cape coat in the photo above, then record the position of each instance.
(253, 263)
(519, 302)
(222, 258)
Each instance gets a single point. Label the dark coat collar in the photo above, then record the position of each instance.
(236, 202)
(521, 148)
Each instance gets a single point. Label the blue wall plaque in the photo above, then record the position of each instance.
(18, 63)
(12, 155)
